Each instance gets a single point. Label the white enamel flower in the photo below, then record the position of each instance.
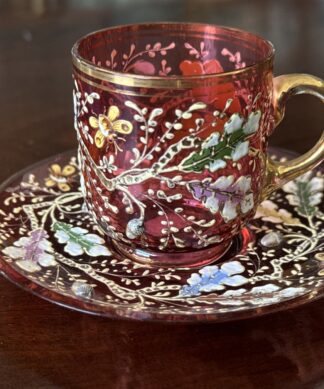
(214, 278)
(33, 252)
(211, 141)
(212, 203)
(252, 123)
(268, 288)
(234, 123)
(278, 295)
(225, 195)
(264, 294)
(78, 241)
(240, 196)
(313, 185)
(270, 212)
(108, 164)
(240, 151)
(216, 165)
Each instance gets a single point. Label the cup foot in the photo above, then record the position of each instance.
(194, 258)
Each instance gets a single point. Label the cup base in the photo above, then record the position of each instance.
(194, 258)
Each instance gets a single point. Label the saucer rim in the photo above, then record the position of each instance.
(154, 314)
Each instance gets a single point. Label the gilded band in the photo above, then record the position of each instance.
(142, 81)
(113, 90)
(122, 91)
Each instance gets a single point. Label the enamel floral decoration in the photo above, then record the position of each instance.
(50, 241)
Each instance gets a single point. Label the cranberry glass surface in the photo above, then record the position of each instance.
(52, 247)
(172, 122)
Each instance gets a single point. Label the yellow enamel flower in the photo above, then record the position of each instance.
(59, 177)
(107, 126)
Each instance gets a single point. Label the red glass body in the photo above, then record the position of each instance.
(158, 108)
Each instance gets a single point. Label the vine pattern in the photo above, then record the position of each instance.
(48, 236)
(198, 153)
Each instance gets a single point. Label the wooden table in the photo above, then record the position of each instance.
(44, 346)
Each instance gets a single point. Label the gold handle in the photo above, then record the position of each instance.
(278, 173)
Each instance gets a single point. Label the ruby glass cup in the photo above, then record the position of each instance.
(173, 121)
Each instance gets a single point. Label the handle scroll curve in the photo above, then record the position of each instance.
(279, 173)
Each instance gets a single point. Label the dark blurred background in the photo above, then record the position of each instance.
(35, 65)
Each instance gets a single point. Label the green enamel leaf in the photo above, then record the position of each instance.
(78, 240)
(74, 237)
(198, 161)
(304, 193)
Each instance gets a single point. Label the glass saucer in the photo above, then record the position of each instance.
(50, 246)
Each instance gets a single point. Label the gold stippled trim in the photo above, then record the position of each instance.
(137, 81)
(113, 90)
(172, 82)
(124, 92)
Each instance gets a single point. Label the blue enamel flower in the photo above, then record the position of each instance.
(213, 278)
